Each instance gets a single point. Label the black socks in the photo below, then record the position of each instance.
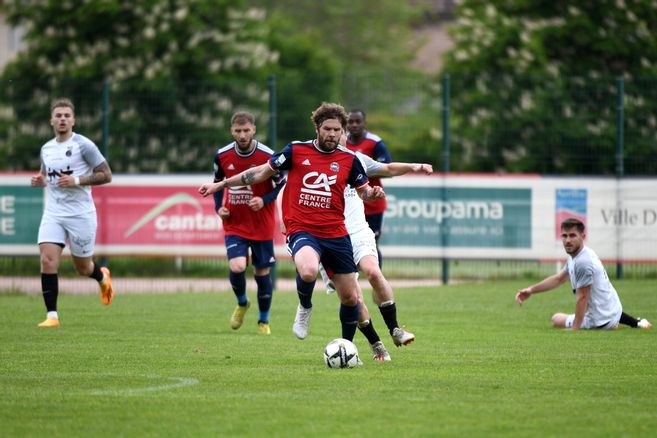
(50, 290)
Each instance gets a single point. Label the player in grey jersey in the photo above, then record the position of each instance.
(597, 305)
(70, 165)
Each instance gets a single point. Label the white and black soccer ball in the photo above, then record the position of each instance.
(341, 353)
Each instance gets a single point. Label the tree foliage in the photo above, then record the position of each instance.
(535, 85)
(350, 52)
(175, 71)
(306, 75)
(360, 34)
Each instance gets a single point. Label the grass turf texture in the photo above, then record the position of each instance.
(480, 366)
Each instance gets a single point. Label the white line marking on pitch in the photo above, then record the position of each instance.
(182, 381)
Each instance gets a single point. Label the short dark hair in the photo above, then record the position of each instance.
(573, 223)
(328, 111)
(358, 110)
(242, 118)
(62, 102)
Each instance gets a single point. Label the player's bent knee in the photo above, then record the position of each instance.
(349, 300)
(375, 277)
(48, 264)
(559, 320)
(308, 274)
(237, 267)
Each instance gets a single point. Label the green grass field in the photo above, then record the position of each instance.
(169, 365)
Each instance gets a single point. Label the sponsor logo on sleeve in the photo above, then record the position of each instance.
(279, 160)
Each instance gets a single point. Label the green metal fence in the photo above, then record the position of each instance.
(477, 123)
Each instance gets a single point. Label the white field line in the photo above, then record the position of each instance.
(181, 382)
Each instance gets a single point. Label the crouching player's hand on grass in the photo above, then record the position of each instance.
(522, 295)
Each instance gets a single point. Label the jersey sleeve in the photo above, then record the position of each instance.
(583, 274)
(372, 168)
(381, 153)
(218, 170)
(271, 196)
(91, 154)
(357, 176)
(218, 176)
(282, 160)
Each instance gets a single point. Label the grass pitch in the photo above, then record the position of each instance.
(169, 365)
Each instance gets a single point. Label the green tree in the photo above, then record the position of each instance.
(357, 53)
(360, 34)
(306, 75)
(176, 69)
(534, 85)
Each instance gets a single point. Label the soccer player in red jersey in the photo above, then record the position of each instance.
(313, 211)
(248, 215)
(363, 141)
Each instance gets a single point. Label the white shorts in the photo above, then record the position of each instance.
(79, 231)
(364, 244)
(585, 325)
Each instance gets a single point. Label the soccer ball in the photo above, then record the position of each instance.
(341, 353)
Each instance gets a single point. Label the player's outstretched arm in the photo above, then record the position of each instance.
(544, 285)
(253, 175)
(397, 169)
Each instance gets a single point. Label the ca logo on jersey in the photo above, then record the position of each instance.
(318, 183)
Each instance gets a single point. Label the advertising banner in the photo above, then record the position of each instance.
(452, 216)
(151, 216)
(21, 207)
(462, 217)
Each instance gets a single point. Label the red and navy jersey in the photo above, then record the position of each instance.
(244, 222)
(375, 148)
(314, 193)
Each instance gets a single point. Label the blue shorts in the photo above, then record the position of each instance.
(262, 251)
(336, 255)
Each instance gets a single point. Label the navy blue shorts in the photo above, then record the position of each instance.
(336, 255)
(375, 221)
(262, 251)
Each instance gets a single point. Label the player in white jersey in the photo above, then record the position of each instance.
(70, 165)
(366, 258)
(597, 305)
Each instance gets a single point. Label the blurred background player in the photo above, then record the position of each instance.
(597, 305)
(248, 213)
(365, 257)
(361, 140)
(313, 211)
(70, 165)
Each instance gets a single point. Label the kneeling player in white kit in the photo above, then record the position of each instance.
(598, 305)
(366, 258)
(70, 165)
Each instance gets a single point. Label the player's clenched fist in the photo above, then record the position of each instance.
(208, 189)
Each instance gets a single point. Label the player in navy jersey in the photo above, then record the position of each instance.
(313, 211)
(598, 305)
(363, 141)
(248, 213)
(70, 165)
